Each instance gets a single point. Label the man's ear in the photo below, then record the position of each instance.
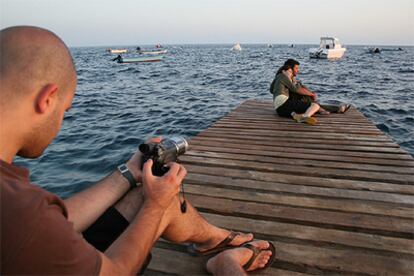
(46, 98)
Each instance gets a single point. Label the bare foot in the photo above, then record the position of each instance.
(238, 240)
(233, 260)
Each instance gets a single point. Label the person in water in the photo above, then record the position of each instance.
(292, 99)
(109, 228)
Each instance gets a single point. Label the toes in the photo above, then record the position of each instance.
(242, 238)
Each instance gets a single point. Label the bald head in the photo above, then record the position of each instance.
(32, 57)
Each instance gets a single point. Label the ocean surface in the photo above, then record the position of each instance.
(118, 106)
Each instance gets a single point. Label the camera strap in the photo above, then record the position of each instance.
(183, 204)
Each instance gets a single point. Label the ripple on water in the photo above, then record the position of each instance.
(118, 106)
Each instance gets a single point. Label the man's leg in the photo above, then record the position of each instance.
(178, 227)
(311, 110)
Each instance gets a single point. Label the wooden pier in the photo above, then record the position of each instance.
(335, 198)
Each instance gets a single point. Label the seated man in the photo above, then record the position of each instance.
(41, 233)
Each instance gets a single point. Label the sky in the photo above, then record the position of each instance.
(140, 22)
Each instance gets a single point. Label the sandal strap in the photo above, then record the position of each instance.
(256, 251)
(228, 239)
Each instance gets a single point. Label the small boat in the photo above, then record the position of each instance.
(153, 52)
(121, 59)
(236, 47)
(117, 51)
(374, 50)
(329, 48)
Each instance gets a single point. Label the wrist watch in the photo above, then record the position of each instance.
(123, 169)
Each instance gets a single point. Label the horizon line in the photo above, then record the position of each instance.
(232, 43)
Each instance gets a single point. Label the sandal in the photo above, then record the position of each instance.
(256, 252)
(223, 245)
(302, 119)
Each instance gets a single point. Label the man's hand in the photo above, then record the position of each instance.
(314, 96)
(161, 190)
(134, 164)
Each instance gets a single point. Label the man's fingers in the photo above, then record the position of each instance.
(147, 170)
(174, 168)
(154, 140)
(182, 173)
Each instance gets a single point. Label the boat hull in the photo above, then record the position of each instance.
(326, 53)
(153, 52)
(140, 59)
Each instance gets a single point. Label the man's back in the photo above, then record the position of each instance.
(36, 235)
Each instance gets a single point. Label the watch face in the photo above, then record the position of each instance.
(123, 168)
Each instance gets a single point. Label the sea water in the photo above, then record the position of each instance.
(118, 106)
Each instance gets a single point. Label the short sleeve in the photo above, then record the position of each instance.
(56, 248)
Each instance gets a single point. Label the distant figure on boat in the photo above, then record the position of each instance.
(158, 46)
(374, 50)
(118, 59)
(291, 46)
(139, 49)
(292, 99)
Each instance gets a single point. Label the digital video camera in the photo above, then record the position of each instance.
(166, 151)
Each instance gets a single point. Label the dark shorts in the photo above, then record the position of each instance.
(106, 229)
(295, 103)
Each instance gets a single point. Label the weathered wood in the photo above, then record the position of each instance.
(387, 226)
(199, 146)
(315, 164)
(301, 170)
(303, 180)
(342, 205)
(315, 236)
(335, 198)
(275, 186)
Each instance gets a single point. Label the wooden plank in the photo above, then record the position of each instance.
(225, 153)
(299, 133)
(386, 226)
(340, 205)
(320, 129)
(324, 151)
(303, 180)
(300, 170)
(307, 258)
(289, 122)
(199, 146)
(310, 235)
(184, 264)
(287, 141)
(274, 186)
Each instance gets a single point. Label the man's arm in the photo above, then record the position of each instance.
(128, 253)
(303, 90)
(86, 207)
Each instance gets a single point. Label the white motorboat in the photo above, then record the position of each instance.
(236, 47)
(328, 48)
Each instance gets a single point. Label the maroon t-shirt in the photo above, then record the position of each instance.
(36, 237)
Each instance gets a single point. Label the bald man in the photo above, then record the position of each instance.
(119, 220)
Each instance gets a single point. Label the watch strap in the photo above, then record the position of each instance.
(123, 169)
